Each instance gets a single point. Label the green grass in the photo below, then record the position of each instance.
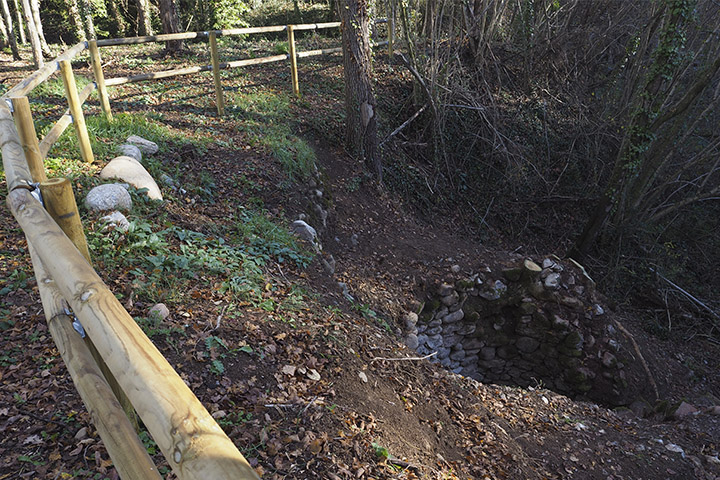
(266, 117)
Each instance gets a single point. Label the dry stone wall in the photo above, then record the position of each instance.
(524, 324)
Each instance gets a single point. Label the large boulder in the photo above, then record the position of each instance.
(131, 171)
(129, 150)
(112, 196)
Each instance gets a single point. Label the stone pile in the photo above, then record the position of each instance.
(524, 325)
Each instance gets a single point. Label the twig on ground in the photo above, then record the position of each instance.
(404, 358)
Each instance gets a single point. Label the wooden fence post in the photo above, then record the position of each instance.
(216, 74)
(76, 111)
(28, 138)
(100, 79)
(293, 60)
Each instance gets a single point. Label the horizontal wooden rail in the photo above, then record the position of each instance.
(316, 26)
(192, 442)
(42, 74)
(52, 136)
(156, 75)
(118, 434)
(322, 51)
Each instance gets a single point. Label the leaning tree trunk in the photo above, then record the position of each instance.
(21, 26)
(117, 17)
(35, 8)
(4, 40)
(75, 20)
(144, 24)
(10, 29)
(360, 106)
(170, 24)
(34, 37)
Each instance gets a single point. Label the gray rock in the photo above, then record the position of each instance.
(553, 280)
(412, 341)
(445, 362)
(432, 331)
(473, 343)
(129, 150)
(307, 233)
(457, 356)
(445, 290)
(344, 289)
(112, 196)
(354, 240)
(158, 311)
(487, 353)
(322, 214)
(457, 370)
(469, 360)
(434, 342)
(454, 317)
(527, 344)
(451, 299)
(547, 263)
(421, 328)
(442, 312)
(146, 146)
(609, 360)
(131, 171)
(410, 320)
(443, 352)
(116, 220)
(455, 269)
(452, 340)
(598, 310)
(168, 180)
(328, 264)
(467, 329)
(434, 323)
(422, 339)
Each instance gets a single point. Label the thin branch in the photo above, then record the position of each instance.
(404, 358)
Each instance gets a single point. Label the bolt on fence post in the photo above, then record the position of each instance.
(293, 59)
(100, 79)
(28, 137)
(76, 111)
(216, 74)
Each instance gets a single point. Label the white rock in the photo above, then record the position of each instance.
(111, 196)
(126, 168)
(552, 280)
(129, 150)
(146, 146)
(159, 310)
(307, 233)
(363, 377)
(116, 220)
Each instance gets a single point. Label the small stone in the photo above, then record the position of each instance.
(609, 360)
(527, 344)
(412, 341)
(684, 410)
(129, 150)
(455, 269)
(116, 220)
(714, 410)
(487, 353)
(328, 264)
(445, 289)
(552, 280)
(598, 310)
(354, 240)
(422, 339)
(547, 263)
(146, 146)
(434, 341)
(363, 377)
(168, 180)
(410, 320)
(452, 299)
(432, 331)
(112, 196)
(159, 311)
(457, 355)
(453, 317)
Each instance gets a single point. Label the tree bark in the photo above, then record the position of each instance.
(33, 33)
(144, 24)
(35, 7)
(4, 40)
(360, 106)
(76, 20)
(10, 30)
(120, 25)
(170, 24)
(86, 12)
(21, 28)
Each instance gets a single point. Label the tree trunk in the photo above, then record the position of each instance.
(4, 40)
(76, 21)
(170, 24)
(86, 12)
(360, 107)
(35, 7)
(34, 37)
(10, 29)
(21, 27)
(120, 25)
(144, 24)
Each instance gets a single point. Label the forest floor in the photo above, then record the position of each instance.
(307, 382)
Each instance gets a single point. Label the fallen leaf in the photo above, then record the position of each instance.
(313, 374)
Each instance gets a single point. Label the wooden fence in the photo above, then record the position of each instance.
(115, 367)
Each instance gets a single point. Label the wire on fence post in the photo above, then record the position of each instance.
(28, 137)
(76, 111)
(100, 79)
(293, 59)
(216, 74)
